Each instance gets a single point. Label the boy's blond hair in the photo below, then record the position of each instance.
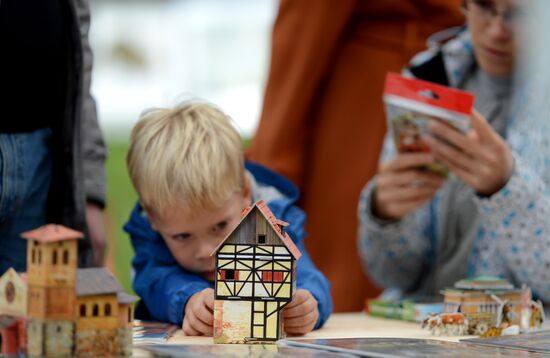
(189, 156)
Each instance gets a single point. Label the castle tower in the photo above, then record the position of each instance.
(51, 269)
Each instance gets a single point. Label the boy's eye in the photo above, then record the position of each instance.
(181, 237)
(220, 226)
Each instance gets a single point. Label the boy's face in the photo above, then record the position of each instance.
(191, 236)
(494, 25)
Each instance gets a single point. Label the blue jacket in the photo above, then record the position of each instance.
(165, 287)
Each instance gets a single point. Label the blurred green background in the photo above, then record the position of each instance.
(121, 197)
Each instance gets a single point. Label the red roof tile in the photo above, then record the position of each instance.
(52, 233)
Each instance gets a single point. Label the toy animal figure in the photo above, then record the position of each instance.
(431, 322)
(448, 324)
(537, 315)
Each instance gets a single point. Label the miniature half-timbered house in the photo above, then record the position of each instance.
(13, 312)
(255, 278)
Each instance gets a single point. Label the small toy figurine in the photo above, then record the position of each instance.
(452, 324)
(256, 278)
(537, 315)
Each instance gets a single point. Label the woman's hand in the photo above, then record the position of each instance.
(481, 158)
(403, 185)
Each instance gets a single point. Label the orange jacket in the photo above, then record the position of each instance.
(323, 122)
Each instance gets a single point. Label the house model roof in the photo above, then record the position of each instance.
(96, 281)
(52, 233)
(124, 298)
(275, 224)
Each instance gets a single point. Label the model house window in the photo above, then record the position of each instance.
(65, 257)
(95, 310)
(272, 276)
(33, 256)
(261, 239)
(229, 275)
(278, 276)
(129, 315)
(267, 276)
(107, 309)
(54, 257)
(82, 310)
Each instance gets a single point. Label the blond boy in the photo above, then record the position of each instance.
(188, 169)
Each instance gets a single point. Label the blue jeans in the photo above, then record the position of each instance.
(25, 173)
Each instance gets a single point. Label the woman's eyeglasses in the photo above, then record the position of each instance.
(486, 11)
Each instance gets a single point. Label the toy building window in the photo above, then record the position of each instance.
(267, 276)
(261, 239)
(107, 309)
(33, 256)
(10, 292)
(229, 275)
(95, 310)
(278, 276)
(58, 329)
(82, 310)
(129, 315)
(65, 257)
(54, 257)
(272, 276)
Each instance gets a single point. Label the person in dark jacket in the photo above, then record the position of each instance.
(51, 149)
(187, 166)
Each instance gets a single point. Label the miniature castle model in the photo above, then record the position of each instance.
(71, 311)
(486, 296)
(105, 314)
(255, 278)
(486, 306)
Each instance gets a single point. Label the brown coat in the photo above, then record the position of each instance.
(323, 122)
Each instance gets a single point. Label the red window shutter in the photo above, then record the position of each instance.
(278, 276)
(267, 276)
(237, 275)
(222, 274)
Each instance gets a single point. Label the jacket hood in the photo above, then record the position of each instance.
(449, 58)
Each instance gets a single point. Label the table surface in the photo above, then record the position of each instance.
(348, 325)
(339, 325)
